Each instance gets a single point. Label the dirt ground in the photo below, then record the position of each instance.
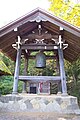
(36, 116)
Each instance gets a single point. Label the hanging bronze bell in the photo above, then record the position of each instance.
(40, 60)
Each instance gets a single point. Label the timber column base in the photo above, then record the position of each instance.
(15, 93)
(24, 92)
(64, 94)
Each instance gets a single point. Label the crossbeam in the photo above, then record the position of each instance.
(47, 57)
(40, 78)
(39, 46)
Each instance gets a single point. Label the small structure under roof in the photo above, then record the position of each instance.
(40, 31)
(29, 22)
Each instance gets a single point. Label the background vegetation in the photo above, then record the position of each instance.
(66, 10)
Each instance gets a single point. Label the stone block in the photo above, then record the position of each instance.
(40, 103)
(43, 106)
(1, 104)
(22, 106)
(28, 104)
(53, 107)
(59, 100)
(6, 99)
(14, 107)
(73, 107)
(35, 104)
(63, 105)
(77, 112)
(73, 100)
(11, 102)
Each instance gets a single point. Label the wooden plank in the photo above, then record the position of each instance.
(11, 51)
(47, 57)
(69, 53)
(51, 29)
(62, 71)
(72, 36)
(76, 42)
(52, 26)
(8, 36)
(7, 49)
(73, 46)
(70, 59)
(39, 46)
(40, 78)
(59, 22)
(27, 29)
(44, 36)
(70, 49)
(25, 73)
(7, 43)
(16, 74)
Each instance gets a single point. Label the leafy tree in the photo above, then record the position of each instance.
(66, 10)
(73, 70)
(6, 85)
(8, 62)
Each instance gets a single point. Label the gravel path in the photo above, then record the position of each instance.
(36, 116)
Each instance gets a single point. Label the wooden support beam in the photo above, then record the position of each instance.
(25, 73)
(47, 57)
(16, 74)
(59, 87)
(62, 71)
(39, 46)
(40, 78)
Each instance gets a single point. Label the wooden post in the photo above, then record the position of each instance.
(62, 71)
(16, 74)
(59, 88)
(25, 73)
(58, 73)
(24, 87)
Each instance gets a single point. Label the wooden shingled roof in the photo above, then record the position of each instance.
(27, 23)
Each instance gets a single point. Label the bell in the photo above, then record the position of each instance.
(40, 60)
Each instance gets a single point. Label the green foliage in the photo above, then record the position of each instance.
(4, 68)
(73, 78)
(73, 70)
(6, 85)
(75, 91)
(5, 60)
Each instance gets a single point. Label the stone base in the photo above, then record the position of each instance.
(39, 103)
